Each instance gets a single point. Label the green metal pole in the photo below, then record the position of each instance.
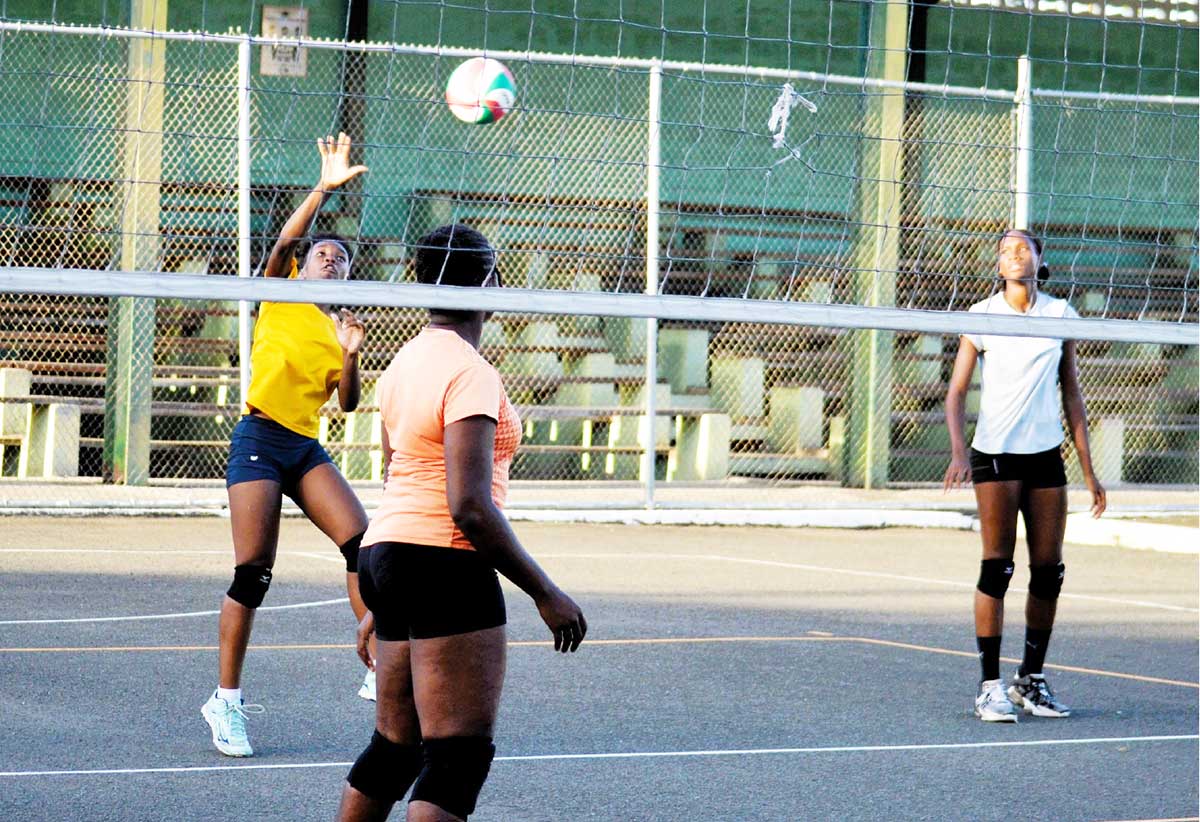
(877, 250)
(130, 355)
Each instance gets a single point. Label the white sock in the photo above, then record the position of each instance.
(233, 695)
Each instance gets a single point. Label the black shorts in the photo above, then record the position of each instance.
(420, 592)
(263, 449)
(1044, 469)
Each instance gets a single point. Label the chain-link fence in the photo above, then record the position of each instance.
(125, 156)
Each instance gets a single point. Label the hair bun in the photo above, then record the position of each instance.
(1043, 273)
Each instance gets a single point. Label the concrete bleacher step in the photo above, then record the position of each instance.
(629, 371)
(748, 432)
(762, 465)
(693, 398)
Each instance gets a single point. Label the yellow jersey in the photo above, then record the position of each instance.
(295, 365)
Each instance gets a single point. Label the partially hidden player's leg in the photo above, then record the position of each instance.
(254, 509)
(456, 687)
(1045, 514)
(331, 504)
(384, 772)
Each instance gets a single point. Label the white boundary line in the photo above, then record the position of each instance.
(160, 552)
(155, 551)
(1119, 531)
(181, 615)
(853, 572)
(824, 569)
(936, 746)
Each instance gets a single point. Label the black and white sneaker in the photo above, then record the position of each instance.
(992, 704)
(1031, 693)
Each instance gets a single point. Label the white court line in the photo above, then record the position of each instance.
(182, 615)
(937, 746)
(640, 555)
(156, 551)
(168, 552)
(338, 558)
(851, 572)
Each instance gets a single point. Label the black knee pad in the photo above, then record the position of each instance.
(454, 772)
(250, 584)
(349, 550)
(1046, 581)
(385, 769)
(994, 576)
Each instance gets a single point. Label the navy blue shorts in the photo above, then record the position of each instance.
(262, 449)
(1044, 469)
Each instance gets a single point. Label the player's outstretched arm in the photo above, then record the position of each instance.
(336, 171)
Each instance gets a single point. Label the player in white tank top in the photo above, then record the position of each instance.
(1016, 467)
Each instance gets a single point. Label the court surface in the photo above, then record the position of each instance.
(729, 674)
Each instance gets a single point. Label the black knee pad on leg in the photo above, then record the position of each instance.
(994, 576)
(385, 769)
(250, 584)
(454, 772)
(349, 550)
(1046, 581)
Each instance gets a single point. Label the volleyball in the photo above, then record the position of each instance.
(481, 90)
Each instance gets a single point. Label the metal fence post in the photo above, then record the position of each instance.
(1024, 135)
(653, 158)
(130, 351)
(243, 212)
(877, 255)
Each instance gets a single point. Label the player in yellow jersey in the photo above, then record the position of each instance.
(301, 355)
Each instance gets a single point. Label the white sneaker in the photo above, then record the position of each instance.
(228, 724)
(367, 689)
(993, 704)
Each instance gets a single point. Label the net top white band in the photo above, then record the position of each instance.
(521, 300)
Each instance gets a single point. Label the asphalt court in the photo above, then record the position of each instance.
(730, 673)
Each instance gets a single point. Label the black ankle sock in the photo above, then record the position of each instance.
(989, 656)
(1036, 642)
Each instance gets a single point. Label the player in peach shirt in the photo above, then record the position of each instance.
(428, 571)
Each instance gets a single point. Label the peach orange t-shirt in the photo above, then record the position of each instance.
(436, 379)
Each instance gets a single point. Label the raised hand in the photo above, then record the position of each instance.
(350, 330)
(336, 170)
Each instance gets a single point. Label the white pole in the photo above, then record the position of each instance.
(1024, 101)
(243, 168)
(653, 159)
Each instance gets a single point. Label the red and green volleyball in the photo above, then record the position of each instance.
(481, 90)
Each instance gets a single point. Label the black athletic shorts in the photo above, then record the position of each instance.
(1044, 469)
(420, 592)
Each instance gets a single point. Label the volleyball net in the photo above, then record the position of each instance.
(802, 201)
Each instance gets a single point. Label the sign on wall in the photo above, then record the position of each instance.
(286, 23)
